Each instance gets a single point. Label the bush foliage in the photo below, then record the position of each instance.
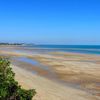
(9, 88)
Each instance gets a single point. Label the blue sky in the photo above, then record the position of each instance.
(50, 21)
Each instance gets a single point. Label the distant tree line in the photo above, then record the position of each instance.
(11, 43)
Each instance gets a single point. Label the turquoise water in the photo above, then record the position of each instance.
(87, 49)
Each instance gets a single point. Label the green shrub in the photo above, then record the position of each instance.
(9, 88)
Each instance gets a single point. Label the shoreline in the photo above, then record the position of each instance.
(26, 48)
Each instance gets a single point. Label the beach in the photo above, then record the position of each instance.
(56, 75)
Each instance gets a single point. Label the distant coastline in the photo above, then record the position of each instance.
(11, 43)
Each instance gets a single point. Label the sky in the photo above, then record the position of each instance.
(50, 21)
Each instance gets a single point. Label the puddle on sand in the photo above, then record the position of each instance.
(33, 62)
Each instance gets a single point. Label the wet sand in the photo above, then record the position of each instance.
(47, 89)
(80, 72)
(77, 69)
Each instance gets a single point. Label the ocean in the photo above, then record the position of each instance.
(86, 49)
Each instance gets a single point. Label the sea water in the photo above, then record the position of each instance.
(87, 49)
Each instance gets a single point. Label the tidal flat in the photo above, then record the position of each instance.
(80, 72)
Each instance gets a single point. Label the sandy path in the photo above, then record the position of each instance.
(48, 90)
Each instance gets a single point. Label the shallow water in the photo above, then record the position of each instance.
(33, 62)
